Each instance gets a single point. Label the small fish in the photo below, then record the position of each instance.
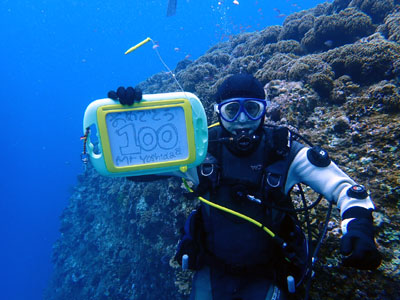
(236, 2)
(176, 49)
(280, 15)
(171, 10)
(328, 43)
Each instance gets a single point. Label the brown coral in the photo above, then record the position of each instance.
(386, 94)
(366, 61)
(342, 28)
(377, 10)
(391, 28)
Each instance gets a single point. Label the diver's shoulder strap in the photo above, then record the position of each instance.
(278, 139)
(214, 136)
(214, 131)
(209, 170)
(285, 149)
(281, 140)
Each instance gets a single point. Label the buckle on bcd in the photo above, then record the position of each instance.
(208, 172)
(273, 180)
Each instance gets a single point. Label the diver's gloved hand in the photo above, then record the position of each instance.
(126, 96)
(358, 245)
(191, 242)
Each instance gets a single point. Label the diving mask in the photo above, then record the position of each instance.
(230, 109)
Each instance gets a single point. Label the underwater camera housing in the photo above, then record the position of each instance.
(163, 133)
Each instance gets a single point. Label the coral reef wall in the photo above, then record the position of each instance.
(333, 72)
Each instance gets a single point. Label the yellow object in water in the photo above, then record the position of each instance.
(138, 45)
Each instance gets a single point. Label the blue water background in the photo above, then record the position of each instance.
(57, 57)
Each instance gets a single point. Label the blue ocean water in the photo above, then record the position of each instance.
(57, 57)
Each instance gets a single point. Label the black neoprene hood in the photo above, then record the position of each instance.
(240, 85)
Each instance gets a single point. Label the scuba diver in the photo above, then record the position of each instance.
(249, 171)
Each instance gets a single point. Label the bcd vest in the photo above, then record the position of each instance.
(251, 183)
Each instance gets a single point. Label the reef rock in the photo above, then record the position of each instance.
(377, 10)
(339, 29)
(391, 28)
(366, 61)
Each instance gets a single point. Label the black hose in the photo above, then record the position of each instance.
(303, 209)
(324, 230)
(313, 258)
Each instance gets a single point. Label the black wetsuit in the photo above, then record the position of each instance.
(241, 258)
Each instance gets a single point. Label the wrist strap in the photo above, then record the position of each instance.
(358, 213)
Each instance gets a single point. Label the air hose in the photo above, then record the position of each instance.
(280, 241)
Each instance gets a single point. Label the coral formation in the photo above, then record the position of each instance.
(377, 10)
(391, 27)
(339, 29)
(331, 73)
(367, 61)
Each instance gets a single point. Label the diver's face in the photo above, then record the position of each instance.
(241, 123)
(241, 114)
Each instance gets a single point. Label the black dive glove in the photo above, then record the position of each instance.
(126, 96)
(191, 243)
(358, 243)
